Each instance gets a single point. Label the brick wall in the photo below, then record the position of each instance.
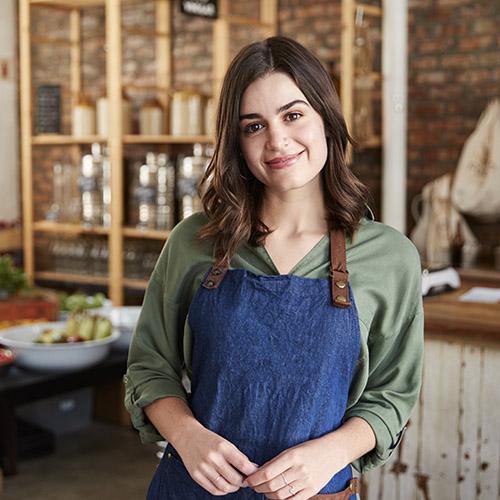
(454, 70)
(316, 24)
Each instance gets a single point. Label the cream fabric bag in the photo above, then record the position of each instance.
(476, 187)
(437, 225)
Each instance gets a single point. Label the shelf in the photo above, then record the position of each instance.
(56, 139)
(68, 4)
(247, 21)
(84, 279)
(166, 139)
(61, 227)
(374, 142)
(152, 234)
(51, 40)
(144, 32)
(135, 284)
(370, 10)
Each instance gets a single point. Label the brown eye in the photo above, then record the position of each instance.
(252, 128)
(291, 117)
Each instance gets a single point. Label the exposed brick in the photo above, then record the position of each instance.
(478, 42)
(454, 70)
(431, 77)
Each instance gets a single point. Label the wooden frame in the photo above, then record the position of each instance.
(162, 33)
(349, 8)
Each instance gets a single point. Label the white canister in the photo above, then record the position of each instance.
(103, 116)
(151, 118)
(84, 118)
(194, 114)
(178, 113)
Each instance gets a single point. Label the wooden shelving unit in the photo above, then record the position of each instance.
(65, 228)
(166, 139)
(72, 278)
(150, 234)
(349, 9)
(135, 284)
(162, 35)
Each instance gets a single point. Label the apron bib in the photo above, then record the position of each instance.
(272, 362)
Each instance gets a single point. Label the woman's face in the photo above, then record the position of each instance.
(282, 137)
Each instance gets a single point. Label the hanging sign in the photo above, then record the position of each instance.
(200, 8)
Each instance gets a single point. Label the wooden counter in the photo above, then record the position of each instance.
(450, 448)
(447, 317)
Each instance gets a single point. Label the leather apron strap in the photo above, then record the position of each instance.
(338, 271)
(352, 489)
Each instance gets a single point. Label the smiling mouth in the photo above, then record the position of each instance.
(284, 161)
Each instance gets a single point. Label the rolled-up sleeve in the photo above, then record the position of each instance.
(155, 359)
(392, 388)
(387, 283)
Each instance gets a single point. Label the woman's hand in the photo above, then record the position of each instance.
(306, 468)
(214, 462)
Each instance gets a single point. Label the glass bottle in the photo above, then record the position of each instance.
(145, 192)
(191, 170)
(165, 193)
(90, 184)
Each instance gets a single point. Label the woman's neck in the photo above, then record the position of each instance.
(294, 213)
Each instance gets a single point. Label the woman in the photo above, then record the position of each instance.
(298, 368)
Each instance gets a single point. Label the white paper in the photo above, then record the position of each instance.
(481, 294)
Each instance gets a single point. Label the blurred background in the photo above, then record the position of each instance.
(106, 127)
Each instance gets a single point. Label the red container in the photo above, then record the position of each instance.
(29, 308)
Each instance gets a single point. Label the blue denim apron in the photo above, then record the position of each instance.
(272, 361)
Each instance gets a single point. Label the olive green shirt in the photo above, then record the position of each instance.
(384, 273)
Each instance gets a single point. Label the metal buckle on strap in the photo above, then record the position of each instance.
(214, 277)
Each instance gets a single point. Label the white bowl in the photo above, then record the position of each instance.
(54, 357)
(125, 319)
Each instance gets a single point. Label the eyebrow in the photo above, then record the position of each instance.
(251, 116)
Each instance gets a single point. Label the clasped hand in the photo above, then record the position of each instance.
(299, 472)
(220, 468)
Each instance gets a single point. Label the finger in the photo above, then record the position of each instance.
(285, 493)
(230, 474)
(222, 485)
(269, 471)
(214, 486)
(241, 462)
(278, 484)
(205, 483)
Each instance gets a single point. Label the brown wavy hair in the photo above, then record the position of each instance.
(231, 196)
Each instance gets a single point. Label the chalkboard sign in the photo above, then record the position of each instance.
(48, 109)
(200, 8)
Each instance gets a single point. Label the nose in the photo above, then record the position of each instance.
(276, 137)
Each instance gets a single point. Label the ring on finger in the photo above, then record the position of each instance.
(292, 489)
(283, 477)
